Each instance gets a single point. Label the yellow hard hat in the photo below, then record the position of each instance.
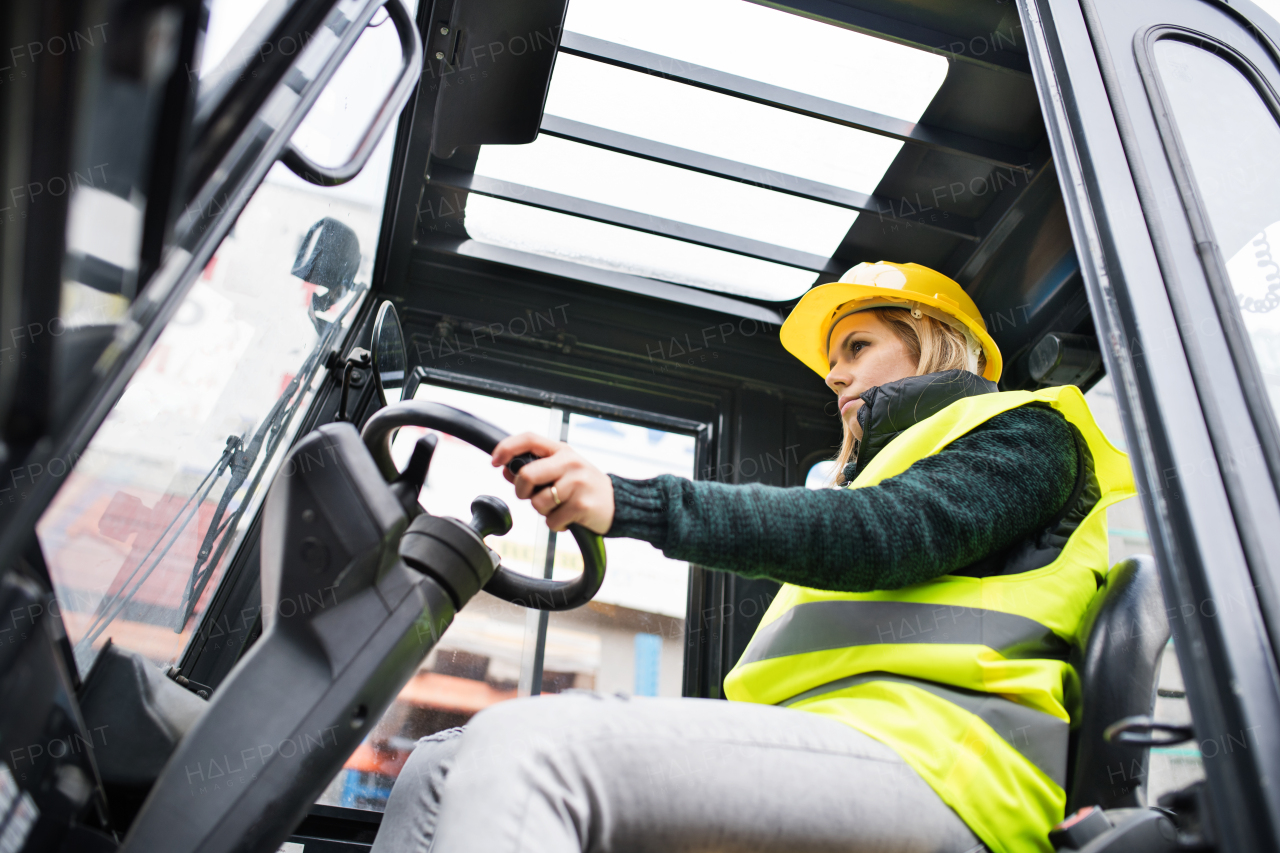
(807, 332)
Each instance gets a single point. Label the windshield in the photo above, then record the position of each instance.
(144, 527)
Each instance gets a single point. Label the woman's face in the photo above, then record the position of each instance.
(864, 353)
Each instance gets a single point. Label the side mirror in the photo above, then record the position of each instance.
(328, 258)
(390, 358)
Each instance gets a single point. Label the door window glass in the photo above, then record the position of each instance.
(1170, 768)
(1230, 137)
(637, 618)
(629, 638)
(141, 531)
(230, 21)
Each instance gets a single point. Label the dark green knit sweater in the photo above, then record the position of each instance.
(987, 490)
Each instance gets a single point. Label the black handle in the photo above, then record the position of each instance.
(1144, 731)
(535, 593)
(522, 460)
(411, 57)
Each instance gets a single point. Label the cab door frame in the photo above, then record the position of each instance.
(1204, 484)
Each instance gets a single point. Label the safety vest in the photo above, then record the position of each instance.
(966, 678)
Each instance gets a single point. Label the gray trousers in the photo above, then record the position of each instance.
(580, 772)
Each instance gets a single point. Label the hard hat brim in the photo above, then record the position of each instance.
(805, 332)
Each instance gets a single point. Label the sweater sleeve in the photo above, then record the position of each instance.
(983, 492)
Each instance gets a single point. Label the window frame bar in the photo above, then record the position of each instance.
(679, 71)
(750, 307)
(720, 167)
(468, 182)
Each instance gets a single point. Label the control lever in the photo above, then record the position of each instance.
(489, 517)
(409, 483)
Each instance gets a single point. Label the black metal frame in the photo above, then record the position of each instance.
(1245, 362)
(1185, 414)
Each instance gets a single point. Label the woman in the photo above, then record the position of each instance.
(907, 690)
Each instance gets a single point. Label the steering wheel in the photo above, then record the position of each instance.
(536, 593)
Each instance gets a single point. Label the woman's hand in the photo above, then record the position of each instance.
(585, 492)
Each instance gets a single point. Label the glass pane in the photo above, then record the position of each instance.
(610, 247)
(229, 20)
(665, 191)
(637, 618)
(820, 474)
(730, 36)
(479, 659)
(123, 537)
(1233, 158)
(750, 40)
(343, 112)
(653, 108)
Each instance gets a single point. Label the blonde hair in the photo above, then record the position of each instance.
(932, 344)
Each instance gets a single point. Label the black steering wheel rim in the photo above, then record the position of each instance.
(535, 593)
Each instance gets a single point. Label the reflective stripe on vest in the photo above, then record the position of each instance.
(820, 625)
(1041, 738)
(966, 678)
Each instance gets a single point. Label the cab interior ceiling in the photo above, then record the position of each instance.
(972, 193)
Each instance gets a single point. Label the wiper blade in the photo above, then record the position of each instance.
(240, 460)
(272, 431)
(112, 605)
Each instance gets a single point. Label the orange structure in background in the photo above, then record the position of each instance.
(434, 691)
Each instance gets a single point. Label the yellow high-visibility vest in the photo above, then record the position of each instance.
(966, 678)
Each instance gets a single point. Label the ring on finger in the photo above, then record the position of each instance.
(555, 495)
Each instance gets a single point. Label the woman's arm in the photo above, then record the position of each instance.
(981, 494)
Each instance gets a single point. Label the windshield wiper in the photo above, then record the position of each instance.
(240, 459)
(273, 430)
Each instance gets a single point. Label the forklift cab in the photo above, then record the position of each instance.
(275, 275)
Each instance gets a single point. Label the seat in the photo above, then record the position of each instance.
(1124, 633)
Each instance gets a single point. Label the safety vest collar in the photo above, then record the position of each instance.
(889, 409)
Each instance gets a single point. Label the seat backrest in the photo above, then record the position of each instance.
(1122, 637)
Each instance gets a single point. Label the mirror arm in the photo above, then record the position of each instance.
(412, 379)
(358, 358)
